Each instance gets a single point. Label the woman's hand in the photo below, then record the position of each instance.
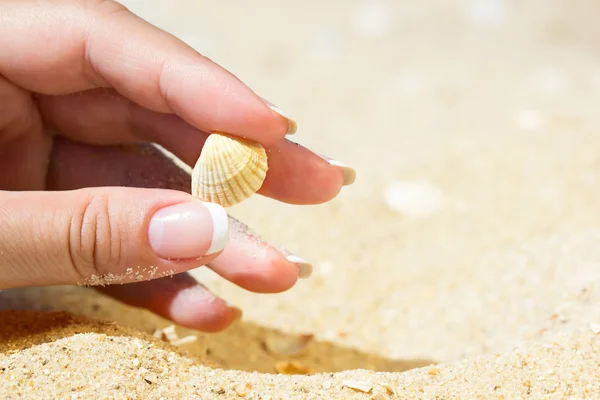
(85, 86)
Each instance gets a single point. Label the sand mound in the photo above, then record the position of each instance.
(56, 355)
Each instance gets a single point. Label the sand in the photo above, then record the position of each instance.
(463, 263)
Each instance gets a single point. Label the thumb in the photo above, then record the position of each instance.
(108, 235)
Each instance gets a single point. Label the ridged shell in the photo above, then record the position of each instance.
(229, 170)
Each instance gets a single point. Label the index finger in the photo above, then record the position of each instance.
(67, 46)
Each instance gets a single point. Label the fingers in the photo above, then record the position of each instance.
(104, 117)
(78, 45)
(105, 235)
(246, 260)
(296, 175)
(180, 299)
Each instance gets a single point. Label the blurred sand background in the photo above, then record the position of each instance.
(469, 239)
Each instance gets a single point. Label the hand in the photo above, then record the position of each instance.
(85, 88)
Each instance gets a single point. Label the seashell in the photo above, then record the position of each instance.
(229, 170)
(287, 344)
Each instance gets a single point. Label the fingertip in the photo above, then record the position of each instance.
(272, 273)
(212, 99)
(281, 272)
(179, 80)
(198, 308)
(252, 119)
(292, 126)
(180, 299)
(300, 176)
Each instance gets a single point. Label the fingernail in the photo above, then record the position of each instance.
(189, 230)
(349, 174)
(292, 126)
(304, 267)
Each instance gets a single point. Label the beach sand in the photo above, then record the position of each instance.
(463, 263)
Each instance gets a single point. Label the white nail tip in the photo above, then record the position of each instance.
(292, 126)
(349, 172)
(304, 267)
(220, 221)
(337, 164)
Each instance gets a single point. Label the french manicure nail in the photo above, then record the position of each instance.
(304, 267)
(292, 126)
(348, 172)
(189, 230)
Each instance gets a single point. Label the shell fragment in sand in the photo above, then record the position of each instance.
(184, 340)
(358, 386)
(292, 368)
(168, 334)
(389, 388)
(287, 344)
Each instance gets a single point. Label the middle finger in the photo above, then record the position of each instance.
(296, 175)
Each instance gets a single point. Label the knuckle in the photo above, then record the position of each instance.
(94, 239)
(98, 14)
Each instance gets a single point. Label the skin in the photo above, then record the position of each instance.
(85, 87)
